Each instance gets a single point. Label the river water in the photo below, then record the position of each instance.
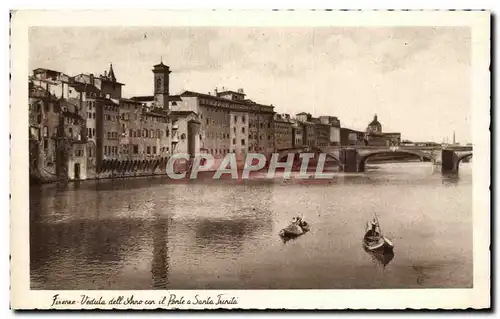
(156, 234)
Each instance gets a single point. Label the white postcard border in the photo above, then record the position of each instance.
(477, 297)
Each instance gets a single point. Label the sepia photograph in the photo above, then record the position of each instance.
(252, 158)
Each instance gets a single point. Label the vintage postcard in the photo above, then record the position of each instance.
(250, 159)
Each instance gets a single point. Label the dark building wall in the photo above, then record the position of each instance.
(351, 137)
(114, 89)
(215, 130)
(283, 134)
(322, 135)
(99, 135)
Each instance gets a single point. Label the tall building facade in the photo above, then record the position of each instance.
(283, 132)
(229, 123)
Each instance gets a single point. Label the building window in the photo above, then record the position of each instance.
(269, 125)
(70, 132)
(234, 141)
(236, 118)
(130, 133)
(243, 130)
(158, 84)
(243, 119)
(145, 133)
(45, 131)
(234, 129)
(149, 150)
(135, 148)
(269, 137)
(154, 149)
(151, 134)
(242, 142)
(45, 144)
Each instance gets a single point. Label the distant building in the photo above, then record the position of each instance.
(309, 129)
(297, 134)
(185, 132)
(375, 136)
(106, 83)
(57, 128)
(350, 137)
(334, 123)
(283, 131)
(230, 123)
(322, 132)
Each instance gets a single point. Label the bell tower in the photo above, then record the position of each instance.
(161, 74)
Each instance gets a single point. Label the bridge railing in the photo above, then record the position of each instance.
(395, 148)
(373, 147)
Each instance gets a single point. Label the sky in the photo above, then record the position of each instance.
(416, 79)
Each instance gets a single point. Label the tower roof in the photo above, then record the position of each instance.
(161, 66)
(111, 73)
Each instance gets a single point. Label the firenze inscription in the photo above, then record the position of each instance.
(172, 300)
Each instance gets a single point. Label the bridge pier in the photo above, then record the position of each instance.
(449, 161)
(348, 160)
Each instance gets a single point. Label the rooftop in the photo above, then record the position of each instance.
(230, 91)
(213, 97)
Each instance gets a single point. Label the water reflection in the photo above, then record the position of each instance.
(154, 234)
(160, 264)
(381, 257)
(211, 233)
(450, 179)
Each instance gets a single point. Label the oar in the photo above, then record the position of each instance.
(376, 217)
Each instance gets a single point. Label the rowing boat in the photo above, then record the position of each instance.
(374, 240)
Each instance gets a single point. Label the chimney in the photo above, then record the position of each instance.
(92, 78)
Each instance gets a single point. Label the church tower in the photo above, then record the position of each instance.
(161, 74)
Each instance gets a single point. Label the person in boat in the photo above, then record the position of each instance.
(303, 223)
(373, 230)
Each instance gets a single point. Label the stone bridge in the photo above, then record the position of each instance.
(354, 158)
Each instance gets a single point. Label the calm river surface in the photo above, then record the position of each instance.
(154, 234)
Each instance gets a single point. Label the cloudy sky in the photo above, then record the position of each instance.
(417, 80)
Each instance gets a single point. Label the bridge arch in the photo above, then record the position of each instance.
(421, 155)
(461, 158)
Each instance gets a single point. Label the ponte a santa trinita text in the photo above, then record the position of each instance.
(81, 127)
